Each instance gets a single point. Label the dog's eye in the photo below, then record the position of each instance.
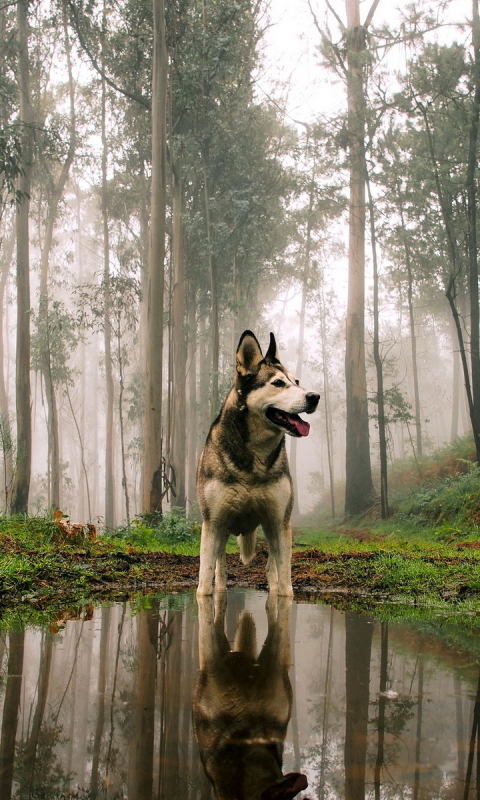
(297, 381)
(278, 383)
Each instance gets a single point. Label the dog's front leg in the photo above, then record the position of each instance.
(284, 561)
(208, 554)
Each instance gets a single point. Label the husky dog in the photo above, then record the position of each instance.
(243, 702)
(243, 479)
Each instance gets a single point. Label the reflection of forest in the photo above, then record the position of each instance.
(103, 704)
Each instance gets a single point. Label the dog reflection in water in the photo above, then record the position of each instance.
(242, 703)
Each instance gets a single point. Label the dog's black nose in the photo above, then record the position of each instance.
(312, 399)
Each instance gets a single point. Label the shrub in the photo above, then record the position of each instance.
(170, 529)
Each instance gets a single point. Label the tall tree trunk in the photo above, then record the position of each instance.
(358, 647)
(6, 442)
(107, 335)
(472, 219)
(359, 489)
(11, 708)
(204, 342)
(43, 316)
(327, 406)
(123, 454)
(212, 265)
(192, 400)
(456, 383)
(378, 366)
(413, 334)
(24, 421)
(179, 440)
(451, 291)
(152, 432)
(301, 331)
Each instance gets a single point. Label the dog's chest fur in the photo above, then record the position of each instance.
(243, 478)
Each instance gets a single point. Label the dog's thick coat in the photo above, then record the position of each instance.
(243, 479)
(243, 702)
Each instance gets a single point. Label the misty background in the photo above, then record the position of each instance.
(148, 222)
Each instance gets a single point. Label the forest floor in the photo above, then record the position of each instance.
(40, 571)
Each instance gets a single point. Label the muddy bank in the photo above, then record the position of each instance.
(71, 576)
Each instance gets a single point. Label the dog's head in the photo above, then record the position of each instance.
(267, 388)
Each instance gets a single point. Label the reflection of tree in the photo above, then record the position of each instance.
(30, 751)
(141, 766)
(111, 754)
(381, 708)
(102, 681)
(418, 740)
(11, 707)
(326, 704)
(474, 746)
(358, 647)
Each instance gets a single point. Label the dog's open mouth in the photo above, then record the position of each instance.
(293, 424)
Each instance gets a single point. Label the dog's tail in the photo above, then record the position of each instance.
(247, 543)
(246, 635)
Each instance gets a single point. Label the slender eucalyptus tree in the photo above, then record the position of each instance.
(152, 431)
(21, 486)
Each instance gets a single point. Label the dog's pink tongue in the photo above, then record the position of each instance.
(302, 427)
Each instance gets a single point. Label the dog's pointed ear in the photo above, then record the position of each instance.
(249, 354)
(272, 353)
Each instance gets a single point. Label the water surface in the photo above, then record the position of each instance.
(113, 704)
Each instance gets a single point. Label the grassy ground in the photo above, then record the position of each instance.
(427, 553)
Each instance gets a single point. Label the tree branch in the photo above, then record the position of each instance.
(329, 41)
(370, 14)
(74, 20)
(332, 10)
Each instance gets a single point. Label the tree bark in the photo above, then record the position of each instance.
(179, 345)
(192, 435)
(472, 220)
(327, 407)
(359, 489)
(107, 331)
(43, 315)
(456, 383)
(301, 332)
(21, 486)
(378, 366)
(152, 432)
(6, 442)
(214, 315)
(413, 335)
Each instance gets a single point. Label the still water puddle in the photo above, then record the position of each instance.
(170, 700)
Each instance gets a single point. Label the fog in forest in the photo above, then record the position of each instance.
(162, 190)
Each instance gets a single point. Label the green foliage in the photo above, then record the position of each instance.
(172, 531)
(451, 505)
